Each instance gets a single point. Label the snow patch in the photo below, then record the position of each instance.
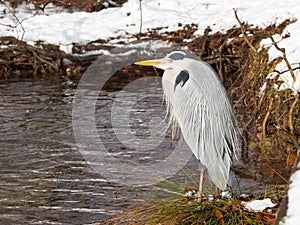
(293, 215)
(259, 205)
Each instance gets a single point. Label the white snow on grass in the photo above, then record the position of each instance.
(293, 215)
(259, 205)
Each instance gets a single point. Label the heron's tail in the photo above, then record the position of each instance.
(219, 172)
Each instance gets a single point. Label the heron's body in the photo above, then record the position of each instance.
(198, 102)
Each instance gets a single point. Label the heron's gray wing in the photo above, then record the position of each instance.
(204, 114)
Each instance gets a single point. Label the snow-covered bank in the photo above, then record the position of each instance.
(293, 216)
(81, 27)
(66, 28)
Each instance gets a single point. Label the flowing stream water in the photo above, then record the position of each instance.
(45, 178)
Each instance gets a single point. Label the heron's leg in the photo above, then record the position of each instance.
(199, 196)
(217, 193)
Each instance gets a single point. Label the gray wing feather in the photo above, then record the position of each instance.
(204, 113)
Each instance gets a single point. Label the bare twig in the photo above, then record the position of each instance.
(18, 22)
(43, 60)
(141, 17)
(284, 58)
(204, 41)
(243, 32)
(276, 172)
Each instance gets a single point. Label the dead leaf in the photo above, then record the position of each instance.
(290, 161)
(219, 215)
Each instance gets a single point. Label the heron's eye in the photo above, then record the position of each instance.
(181, 78)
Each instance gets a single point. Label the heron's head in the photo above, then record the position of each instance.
(169, 62)
(176, 66)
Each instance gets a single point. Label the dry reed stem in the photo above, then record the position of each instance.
(264, 123)
(291, 125)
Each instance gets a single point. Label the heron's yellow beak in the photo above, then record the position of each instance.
(154, 62)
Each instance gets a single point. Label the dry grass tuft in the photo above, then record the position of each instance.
(171, 207)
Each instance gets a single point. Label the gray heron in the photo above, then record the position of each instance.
(197, 102)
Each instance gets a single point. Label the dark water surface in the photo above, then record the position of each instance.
(44, 179)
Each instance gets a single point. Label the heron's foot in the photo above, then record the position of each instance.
(217, 193)
(199, 197)
(204, 198)
(188, 187)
